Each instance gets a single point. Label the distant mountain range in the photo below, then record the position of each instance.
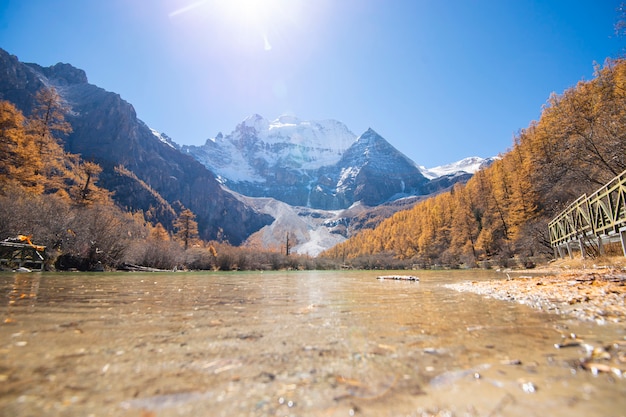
(258, 180)
(320, 164)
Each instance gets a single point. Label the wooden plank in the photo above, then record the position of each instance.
(399, 277)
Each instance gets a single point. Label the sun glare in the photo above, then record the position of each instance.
(255, 20)
(257, 13)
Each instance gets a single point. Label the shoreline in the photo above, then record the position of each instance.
(586, 290)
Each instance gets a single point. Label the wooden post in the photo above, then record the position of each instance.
(582, 247)
(622, 235)
(600, 246)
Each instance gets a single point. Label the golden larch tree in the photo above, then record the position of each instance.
(20, 163)
(186, 227)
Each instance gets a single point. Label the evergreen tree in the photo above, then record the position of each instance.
(45, 125)
(47, 120)
(186, 227)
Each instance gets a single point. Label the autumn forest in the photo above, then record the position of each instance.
(502, 213)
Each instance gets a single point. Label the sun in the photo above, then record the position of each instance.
(252, 17)
(244, 19)
(255, 13)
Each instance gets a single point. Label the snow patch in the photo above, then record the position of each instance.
(346, 175)
(162, 138)
(468, 165)
(310, 231)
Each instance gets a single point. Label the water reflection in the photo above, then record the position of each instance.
(23, 293)
(300, 343)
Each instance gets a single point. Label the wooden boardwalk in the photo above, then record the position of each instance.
(592, 221)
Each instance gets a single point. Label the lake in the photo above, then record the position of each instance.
(314, 343)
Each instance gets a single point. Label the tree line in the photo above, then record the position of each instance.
(53, 196)
(501, 214)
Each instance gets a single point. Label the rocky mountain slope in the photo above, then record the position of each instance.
(106, 130)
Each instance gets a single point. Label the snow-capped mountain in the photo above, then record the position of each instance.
(316, 177)
(257, 146)
(317, 164)
(371, 171)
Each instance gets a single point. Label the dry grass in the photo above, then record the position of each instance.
(616, 262)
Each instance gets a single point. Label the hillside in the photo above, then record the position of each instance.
(107, 131)
(502, 212)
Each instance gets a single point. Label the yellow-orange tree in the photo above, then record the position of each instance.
(20, 162)
(32, 157)
(186, 228)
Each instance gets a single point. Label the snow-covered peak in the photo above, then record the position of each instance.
(283, 121)
(468, 165)
(218, 138)
(314, 134)
(369, 137)
(162, 137)
(257, 122)
(257, 146)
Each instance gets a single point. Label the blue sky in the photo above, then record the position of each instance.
(440, 80)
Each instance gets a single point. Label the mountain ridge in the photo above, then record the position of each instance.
(317, 164)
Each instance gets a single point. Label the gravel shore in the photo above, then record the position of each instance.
(594, 293)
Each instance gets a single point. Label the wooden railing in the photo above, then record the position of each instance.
(601, 216)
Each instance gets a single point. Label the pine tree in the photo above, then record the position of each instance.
(85, 174)
(187, 227)
(48, 117)
(45, 125)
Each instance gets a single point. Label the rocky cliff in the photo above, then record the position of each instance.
(107, 130)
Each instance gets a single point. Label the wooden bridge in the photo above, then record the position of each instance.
(592, 221)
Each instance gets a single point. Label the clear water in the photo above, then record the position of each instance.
(288, 344)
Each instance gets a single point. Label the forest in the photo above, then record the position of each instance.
(500, 216)
(53, 196)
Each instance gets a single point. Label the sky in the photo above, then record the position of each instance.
(440, 80)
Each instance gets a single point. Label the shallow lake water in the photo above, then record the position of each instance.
(324, 343)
